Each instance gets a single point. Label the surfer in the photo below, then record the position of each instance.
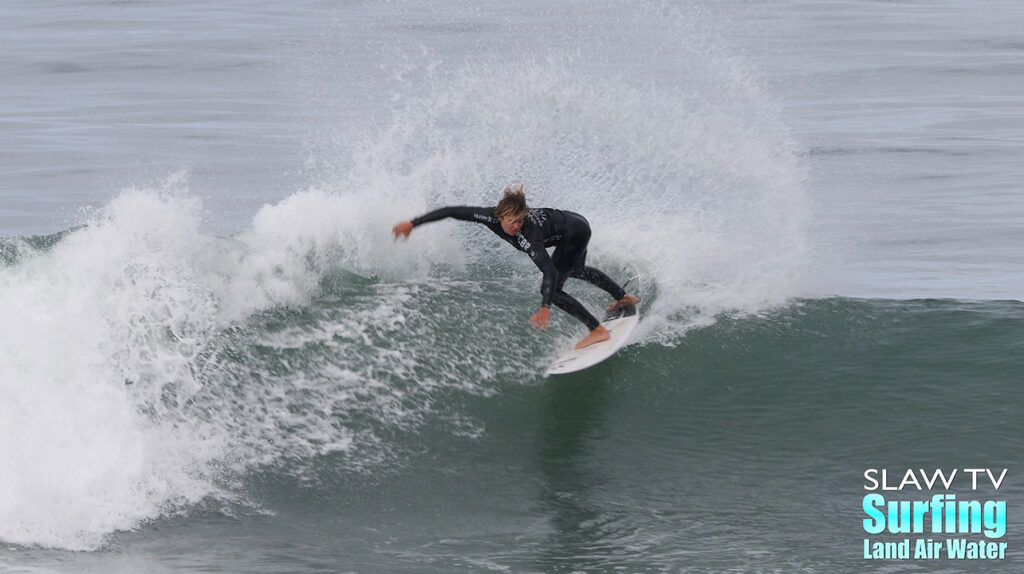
(531, 231)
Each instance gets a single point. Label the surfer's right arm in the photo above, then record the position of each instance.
(483, 215)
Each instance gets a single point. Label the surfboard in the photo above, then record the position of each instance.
(620, 323)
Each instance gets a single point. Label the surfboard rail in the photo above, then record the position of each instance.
(620, 323)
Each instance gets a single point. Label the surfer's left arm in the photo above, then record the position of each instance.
(534, 247)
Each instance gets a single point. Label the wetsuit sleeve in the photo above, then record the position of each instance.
(483, 215)
(534, 247)
(547, 285)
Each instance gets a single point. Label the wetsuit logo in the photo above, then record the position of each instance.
(537, 217)
(526, 246)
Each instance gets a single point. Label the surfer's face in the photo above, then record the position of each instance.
(511, 224)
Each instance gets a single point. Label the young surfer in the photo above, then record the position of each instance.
(531, 231)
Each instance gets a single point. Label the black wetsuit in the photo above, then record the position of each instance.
(567, 232)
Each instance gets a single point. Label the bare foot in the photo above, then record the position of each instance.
(624, 302)
(596, 336)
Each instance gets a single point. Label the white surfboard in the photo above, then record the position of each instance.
(620, 324)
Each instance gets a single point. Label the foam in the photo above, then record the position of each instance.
(146, 367)
(81, 321)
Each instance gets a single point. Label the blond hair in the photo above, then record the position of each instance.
(513, 203)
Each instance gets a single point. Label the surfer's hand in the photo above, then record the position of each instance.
(402, 230)
(540, 319)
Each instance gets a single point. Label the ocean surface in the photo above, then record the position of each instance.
(214, 358)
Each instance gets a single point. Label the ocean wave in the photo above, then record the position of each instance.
(149, 365)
